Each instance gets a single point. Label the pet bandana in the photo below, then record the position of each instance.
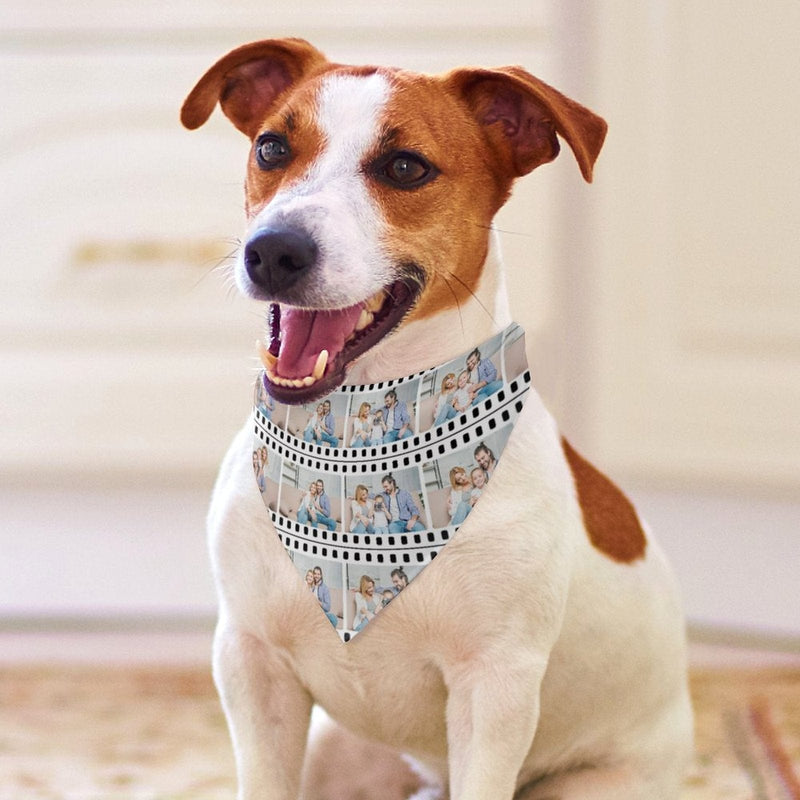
(366, 485)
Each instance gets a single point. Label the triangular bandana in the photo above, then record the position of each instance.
(368, 484)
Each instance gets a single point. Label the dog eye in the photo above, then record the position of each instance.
(272, 151)
(405, 170)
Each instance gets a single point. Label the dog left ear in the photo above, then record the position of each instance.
(522, 115)
(249, 80)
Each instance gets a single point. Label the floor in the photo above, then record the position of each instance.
(177, 646)
(134, 716)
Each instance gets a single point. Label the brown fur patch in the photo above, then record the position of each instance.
(609, 517)
(295, 120)
(441, 226)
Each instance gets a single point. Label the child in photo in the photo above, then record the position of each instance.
(462, 396)
(386, 597)
(380, 516)
(378, 427)
(478, 477)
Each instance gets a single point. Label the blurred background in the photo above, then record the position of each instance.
(662, 302)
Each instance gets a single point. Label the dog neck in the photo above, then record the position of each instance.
(443, 336)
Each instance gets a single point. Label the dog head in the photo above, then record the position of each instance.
(370, 191)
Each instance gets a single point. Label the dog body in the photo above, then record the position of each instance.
(370, 194)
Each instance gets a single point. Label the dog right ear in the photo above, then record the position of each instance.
(521, 116)
(248, 81)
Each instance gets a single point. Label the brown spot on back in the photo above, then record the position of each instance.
(609, 517)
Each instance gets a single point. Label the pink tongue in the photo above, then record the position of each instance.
(305, 333)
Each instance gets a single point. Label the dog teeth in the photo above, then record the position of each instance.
(293, 382)
(364, 320)
(296, 383)
(376, 301)
(319, 367)
(267, 359)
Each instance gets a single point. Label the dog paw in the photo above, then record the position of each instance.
(429, 793)
(342, 766)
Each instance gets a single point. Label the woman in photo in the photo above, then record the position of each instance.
(313, 429)
(361, 507)
(444, 402)
(458, 503)
(362, 427)
(265, 403)
(380, 515)
(307, 513)
(367, 604)
(258, 469)
(310, 584)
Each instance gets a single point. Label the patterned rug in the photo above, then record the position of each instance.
(151, 733)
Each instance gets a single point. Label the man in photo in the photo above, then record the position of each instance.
(324, 431)
(322, 504)
(323, 595)
(399, 581)
(396, 418)
(399, 503)
(485, 459)
(482, 376)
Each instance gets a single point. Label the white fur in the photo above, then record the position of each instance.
(567, 681)
(332, 203)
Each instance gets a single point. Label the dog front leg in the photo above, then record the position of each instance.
(268, 713)
(492, 713)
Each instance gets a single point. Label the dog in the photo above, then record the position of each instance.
(370, 194)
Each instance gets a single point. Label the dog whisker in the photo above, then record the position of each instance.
(455, 297)
(503, 230)
(223, 265)
(477, 299)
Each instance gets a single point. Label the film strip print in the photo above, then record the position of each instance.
(495, 411)
(380, 413)
(400, 549)
(361, 514)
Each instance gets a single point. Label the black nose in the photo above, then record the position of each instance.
(274, 260)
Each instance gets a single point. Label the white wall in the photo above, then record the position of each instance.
(662, 302)
(694, 359)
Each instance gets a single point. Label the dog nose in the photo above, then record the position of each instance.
(274, 260)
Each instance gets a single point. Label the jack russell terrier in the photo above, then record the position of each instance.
(542, 654)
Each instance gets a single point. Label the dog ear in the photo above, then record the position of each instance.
(522, 115)
(248, 81)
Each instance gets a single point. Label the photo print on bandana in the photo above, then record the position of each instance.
(320, 423)
(311, 497)
(348, 594)
(267, 469)
(366, 485)
(455, 481)
(383, 416)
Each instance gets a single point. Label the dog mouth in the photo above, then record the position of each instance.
(310, 349)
